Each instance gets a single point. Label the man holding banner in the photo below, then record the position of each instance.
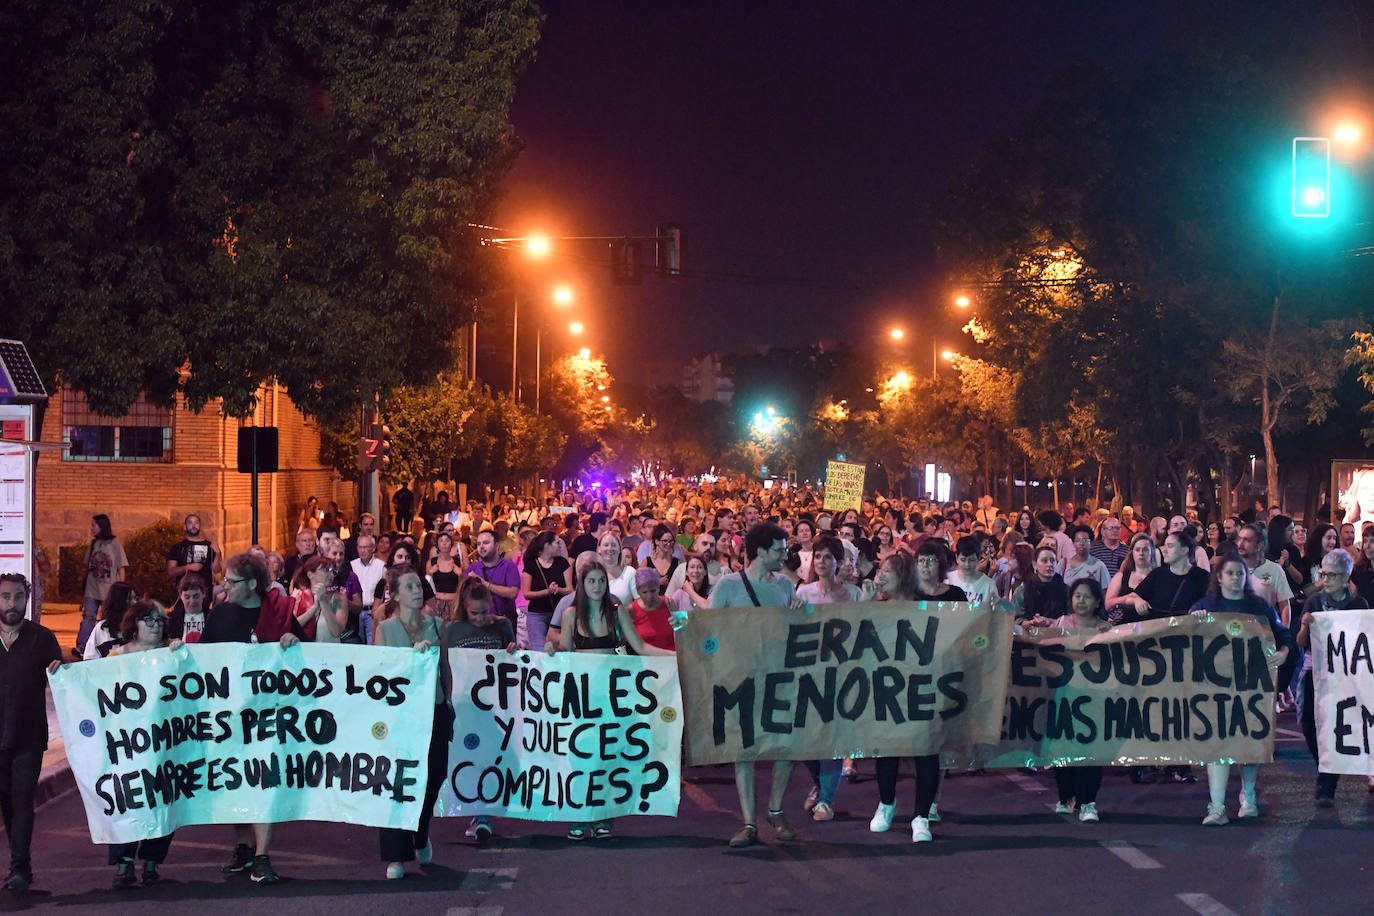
(758, 585)
(1335, 596)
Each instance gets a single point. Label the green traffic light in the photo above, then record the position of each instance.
(1311, 177)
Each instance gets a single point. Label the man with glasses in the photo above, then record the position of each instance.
(1109, 547)
(1335, 595)
(758, 585)
(247, 615)
(28, 652)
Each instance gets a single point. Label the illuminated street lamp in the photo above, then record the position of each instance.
(947, 354)
(1347, 132)
(563, 295)
(897, 333)
(576, 328)
(962, 301)
(585, 353)
(537, 246)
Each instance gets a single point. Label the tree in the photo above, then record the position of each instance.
(1296, 368)
(239, 191)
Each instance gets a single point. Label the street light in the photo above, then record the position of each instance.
(576, 327)
(947, 354)
(585, 353)
(563, 295)
(962, 301)
(897, 333)
(537, 246)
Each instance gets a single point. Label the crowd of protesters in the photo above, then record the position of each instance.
(600, 570)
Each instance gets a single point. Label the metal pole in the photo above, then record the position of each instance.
(538, 341)
(473, 350)
(255, 486)
(514, 340)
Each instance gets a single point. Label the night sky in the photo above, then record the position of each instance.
(800, 146)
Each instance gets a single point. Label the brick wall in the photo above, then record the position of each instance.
(202, 477)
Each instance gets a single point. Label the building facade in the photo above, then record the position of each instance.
(164, 463)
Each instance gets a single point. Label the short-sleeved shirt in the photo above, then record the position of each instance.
(1093, 568)
(1269, 581)
(23, 682)
(464, 635)
(104, 558)
(391, 632)
(503, 573)
(541, 578)
(1111, 557)
(730, 591)
(981, 589)
(187, 551)
(1169, 593)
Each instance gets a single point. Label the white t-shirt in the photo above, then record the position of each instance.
(811, 593)
(1269, 582)
(980, 589)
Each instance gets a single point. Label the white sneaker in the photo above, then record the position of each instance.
(1216, 816)
(395, 871)
(1248, 807)
(920, 830)
(934, 816)
(1088, 813)
(1063, 808)
(882, 818)
(471, 832)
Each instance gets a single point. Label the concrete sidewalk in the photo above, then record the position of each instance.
(56, 777)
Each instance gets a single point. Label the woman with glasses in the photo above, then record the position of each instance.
(143, 627)
(662, 557)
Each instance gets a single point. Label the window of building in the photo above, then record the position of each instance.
(142, 434)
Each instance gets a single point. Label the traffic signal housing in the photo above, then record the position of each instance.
(1311, 177)
(374, 448)
(669, 251)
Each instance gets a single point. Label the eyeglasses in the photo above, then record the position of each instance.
(153, 620)
(231, 579)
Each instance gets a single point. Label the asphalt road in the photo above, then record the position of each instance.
(999, 849)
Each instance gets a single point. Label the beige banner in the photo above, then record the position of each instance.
(844, 486)
(1193, 689)
(871, 679)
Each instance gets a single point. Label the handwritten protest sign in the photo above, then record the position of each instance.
(571, 737)
(868, 679)
(844, 486)
(228, 734)
(1343, 685)
(1170, 691)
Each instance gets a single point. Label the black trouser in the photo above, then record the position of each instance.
(927, 781)
(400, 845)
(154, 850)
(1078, 783)
(18, 785)
(1326, 782)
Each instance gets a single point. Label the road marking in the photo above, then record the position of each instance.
(482, 880)
(1205, 905)
(474, 911)
(1130, 855)
(1024, 782)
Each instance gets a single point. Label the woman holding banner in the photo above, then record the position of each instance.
(1141, 560)
(825, 588)
(600, 625)
(144, 627)
(405, 628)
(1078, 784)
(906, 578)
(1227, 594)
